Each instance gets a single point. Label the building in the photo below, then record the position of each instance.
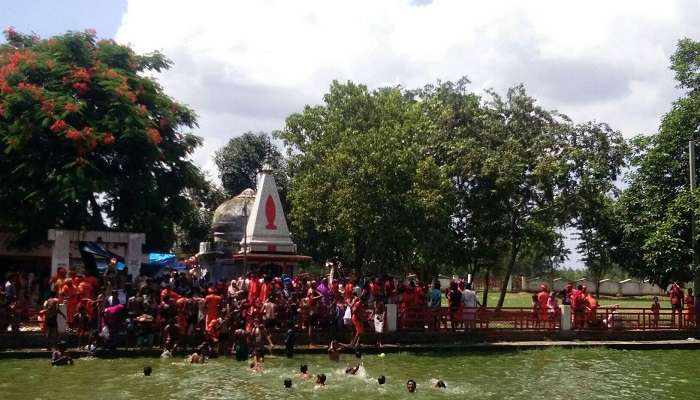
(251, 234)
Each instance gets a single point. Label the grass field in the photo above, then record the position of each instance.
(525, 300)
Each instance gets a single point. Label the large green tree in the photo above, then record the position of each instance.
(240, 160)
(526, 163)
(364, 185)
(596, 154)
(90, 140)
(657, 207)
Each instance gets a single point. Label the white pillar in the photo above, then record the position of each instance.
(60, 255)
(391, 317)
(565, 317)
(134, 253)
(523, 283)
(510, 284)
(61, 322)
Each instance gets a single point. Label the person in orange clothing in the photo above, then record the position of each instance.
(347, 289)
(211, 303)
(58, 280)
(69, 293)
(358, 316)
(542, 299)
(265, 290)
(85, 289)
(689, 302)
(591, 307)
(170, 294)
(253, 288)
(181, 319)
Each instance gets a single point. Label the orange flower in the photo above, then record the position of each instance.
(71, 108)
(73, 135)
(4, 87)
(154, 135)
(47, 107)
(30, 88)
(80, 74)
(108, 138)
(81, 87)
(58, 126)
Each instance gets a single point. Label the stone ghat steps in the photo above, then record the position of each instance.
(278, 351)
(420, 339)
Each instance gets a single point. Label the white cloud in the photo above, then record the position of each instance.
(246, 65)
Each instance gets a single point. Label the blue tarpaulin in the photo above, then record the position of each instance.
(160, 261)
(161, 258)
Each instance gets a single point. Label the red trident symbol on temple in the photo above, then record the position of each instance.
(270, 212)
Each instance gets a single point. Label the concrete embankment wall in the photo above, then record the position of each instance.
(608, 287)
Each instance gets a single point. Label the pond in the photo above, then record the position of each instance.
(533, 374)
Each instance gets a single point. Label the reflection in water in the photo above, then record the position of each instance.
(540, 374)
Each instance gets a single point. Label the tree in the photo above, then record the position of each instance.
(657, 207)
(363, 185)
(240, 160)
(458, 141)
(529, 173)
(596, 154)
(195, 226)
(89, 140)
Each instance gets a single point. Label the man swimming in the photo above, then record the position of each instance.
(303, 372)
(287, 383)
(321, 380)
(411, 386)
(353, 370)
(381, 380)
(58, 357)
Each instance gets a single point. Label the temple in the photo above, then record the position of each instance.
(251, 234)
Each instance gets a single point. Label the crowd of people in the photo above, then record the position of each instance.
(584, 306)
(182, 310)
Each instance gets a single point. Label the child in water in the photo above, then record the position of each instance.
(411, 386)
(59, 357)
(303, 372)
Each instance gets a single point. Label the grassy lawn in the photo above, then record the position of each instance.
(525, 300)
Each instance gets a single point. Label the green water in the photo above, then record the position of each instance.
(538, 374)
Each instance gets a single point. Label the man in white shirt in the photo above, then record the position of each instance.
(469, 305)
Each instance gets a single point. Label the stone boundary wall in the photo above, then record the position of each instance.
(608, 287)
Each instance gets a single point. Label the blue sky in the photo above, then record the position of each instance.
(51, 17)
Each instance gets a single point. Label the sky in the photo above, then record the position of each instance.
(246, 65)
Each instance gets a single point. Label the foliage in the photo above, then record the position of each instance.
(363, 186)
(89, 141)
(596, 156)
(195, 226)
(240, 160)
(657, 207)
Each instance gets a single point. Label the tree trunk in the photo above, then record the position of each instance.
(487, 278)
(97, 222)
(515, 244)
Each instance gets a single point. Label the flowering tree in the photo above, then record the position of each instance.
(88, 141)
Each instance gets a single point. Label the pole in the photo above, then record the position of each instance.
(693, 240)
(245, 237)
